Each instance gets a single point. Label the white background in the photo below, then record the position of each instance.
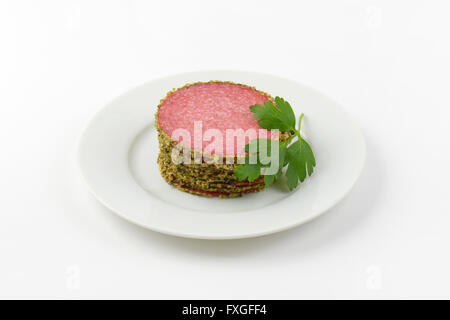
(386, 62)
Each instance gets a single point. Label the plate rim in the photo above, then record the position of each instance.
(181, 234)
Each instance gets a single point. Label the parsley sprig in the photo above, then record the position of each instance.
(297, 156)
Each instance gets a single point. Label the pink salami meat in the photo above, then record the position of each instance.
(219, 106)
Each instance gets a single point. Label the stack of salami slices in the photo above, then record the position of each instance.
(194, 120)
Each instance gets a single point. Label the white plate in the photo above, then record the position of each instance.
(118, 151)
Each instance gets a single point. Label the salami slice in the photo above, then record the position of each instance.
(218, 107)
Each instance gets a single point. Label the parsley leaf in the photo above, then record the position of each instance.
(286, 109)
(301, 160)
(271, 117)
(248, 172)
(297, 156)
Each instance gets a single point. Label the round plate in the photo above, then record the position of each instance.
(119, 148)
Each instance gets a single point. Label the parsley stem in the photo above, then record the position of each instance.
(297, 132)
(300, 122)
